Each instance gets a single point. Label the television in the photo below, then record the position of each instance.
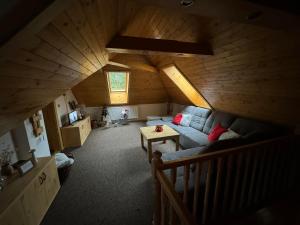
(73, 117)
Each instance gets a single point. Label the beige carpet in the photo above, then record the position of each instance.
(110, 182)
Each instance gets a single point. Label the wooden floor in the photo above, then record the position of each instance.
(284, 211)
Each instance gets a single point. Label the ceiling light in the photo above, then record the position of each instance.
(186, 3)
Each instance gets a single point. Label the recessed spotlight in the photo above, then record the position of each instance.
(186, 3)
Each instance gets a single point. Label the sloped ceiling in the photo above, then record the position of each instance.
(254, 71)
(145, 86)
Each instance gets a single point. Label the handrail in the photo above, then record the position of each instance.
(246, 174)
(185, 216)
(217, 154)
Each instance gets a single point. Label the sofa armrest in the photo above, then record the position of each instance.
(183, 153)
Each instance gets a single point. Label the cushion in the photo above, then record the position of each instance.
(186, 120)
(216, 132)
(182, 153)
(191, 137)
(177, 119)
(156, 122)
(199, 117)
(247, 127)
(229, 134)
(225, 119)
(149, 118)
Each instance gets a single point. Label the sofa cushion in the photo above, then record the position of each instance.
(230, 134)
(189, 110)
(186, 120)
(248, 128)
(216, 132)
(225, 144)
(182, 153)
(156, 122)
(176, 120)
(225, 119)
(193, 136)
(199, 117)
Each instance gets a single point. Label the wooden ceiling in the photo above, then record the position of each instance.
(254, 71)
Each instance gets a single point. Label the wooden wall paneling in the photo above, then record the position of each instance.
(65, 25)
(12, 69)
(237, 11)
(78, 18)
(26, 58)
(135, 62)
(144, 87)
(45, 50)
(92, 91)
(52, 36)
(31, 29)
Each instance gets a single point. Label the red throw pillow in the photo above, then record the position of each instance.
(177, 119)
(216, 132)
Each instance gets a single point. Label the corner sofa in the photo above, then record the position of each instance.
(194, 138)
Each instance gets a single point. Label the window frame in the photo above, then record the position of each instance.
(193, 95)
(111, 92)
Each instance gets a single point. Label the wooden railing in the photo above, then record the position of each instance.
(216, 184)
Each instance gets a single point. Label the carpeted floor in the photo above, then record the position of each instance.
(110, 182)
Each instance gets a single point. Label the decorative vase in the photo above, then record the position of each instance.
(159, 128)
(7, 170)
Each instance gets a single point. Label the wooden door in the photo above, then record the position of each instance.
(52, 127)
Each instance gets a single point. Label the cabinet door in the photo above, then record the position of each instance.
(51, 182)
(14, 215)
(34, 201)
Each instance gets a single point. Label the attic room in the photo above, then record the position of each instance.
(149, 112)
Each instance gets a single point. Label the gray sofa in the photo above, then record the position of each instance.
(194, 139)
(204, 120)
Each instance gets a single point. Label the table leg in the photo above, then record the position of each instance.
(149, 151)
(142, 141)
(177, 143)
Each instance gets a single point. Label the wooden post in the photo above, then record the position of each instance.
(156, 165)
(150, 150)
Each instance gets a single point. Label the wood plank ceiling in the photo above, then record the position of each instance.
(254, 71)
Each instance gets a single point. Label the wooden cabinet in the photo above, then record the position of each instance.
(76, 134)
(26, 200)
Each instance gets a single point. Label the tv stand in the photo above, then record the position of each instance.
(76, 134)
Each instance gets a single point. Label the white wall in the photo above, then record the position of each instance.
(6, 142)
(152, 110)
(144, 110)
(177, 108)
(62, 106)
(40, 143)
(25, 140)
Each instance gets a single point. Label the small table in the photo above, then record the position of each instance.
(151, 135)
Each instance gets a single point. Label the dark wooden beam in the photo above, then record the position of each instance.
(147, 46)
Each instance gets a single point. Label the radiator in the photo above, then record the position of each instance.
(115, 112)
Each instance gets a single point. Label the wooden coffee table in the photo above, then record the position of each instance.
(151, 135)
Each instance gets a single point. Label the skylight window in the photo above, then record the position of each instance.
(118, 86)
(185, 86)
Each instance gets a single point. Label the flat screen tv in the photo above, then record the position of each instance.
(72, 117)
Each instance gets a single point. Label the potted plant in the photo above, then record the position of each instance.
(5, 160)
